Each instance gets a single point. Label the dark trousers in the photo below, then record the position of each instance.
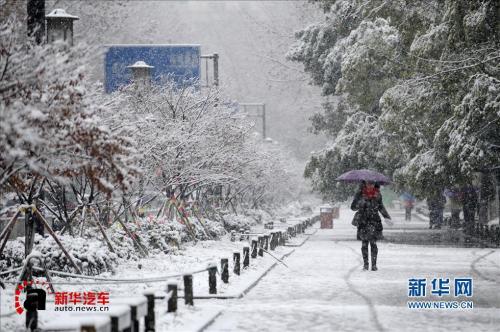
(455, 218)
(408, 214)
(374, 252)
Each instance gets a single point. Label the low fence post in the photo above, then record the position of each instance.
(31, 305)
(188, 289)
(254, 248)
(236, 263)
(271, 241)
(261, 246)
(224, 265)
(212, 279)
(149, 319)
(172, 300)
(246, 257)
(266, 242)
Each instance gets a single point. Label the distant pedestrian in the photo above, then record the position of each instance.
(436, 203)
(408, 208)
(368, 203)
(440, 203)
(408, 203)
(455, 208)
(432, 213)
(470, 206)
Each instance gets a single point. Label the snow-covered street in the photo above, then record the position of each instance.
(325, 289)
(178, 165)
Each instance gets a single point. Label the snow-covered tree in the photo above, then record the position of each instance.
(193, 143)
(470, 138)
(49, 129)
(394, 73)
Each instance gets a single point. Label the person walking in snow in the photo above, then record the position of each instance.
(408, 207)
(368, 203)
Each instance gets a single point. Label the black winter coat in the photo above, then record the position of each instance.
(369, 223)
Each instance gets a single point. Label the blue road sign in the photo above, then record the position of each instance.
(180, 62)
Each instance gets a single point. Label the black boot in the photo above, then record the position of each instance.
(364, 252)
(374, 251)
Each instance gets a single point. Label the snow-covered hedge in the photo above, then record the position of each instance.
(237, 222)
(162, 235)
(214, 229)
(91, 255)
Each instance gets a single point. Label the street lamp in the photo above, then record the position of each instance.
(141, 73)
(60, 26)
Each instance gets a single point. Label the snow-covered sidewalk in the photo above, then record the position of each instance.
(192, 257)
(325, 289)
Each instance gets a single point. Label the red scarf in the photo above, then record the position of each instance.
(370, 193)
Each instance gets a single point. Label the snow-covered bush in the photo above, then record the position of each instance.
(91, 255)
(214, 228)
(237, 222)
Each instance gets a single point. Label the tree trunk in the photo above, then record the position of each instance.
(486, 193)
(36, 20)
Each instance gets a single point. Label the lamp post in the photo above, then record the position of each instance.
(141, 73)
(60, 26)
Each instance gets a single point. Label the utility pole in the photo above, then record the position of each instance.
(36, 20)
(215, 58)
(216, 69)
(264, 121)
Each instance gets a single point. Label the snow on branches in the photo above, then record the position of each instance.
(471, 136)
(192, 141)
(423, 71)
(49, 129)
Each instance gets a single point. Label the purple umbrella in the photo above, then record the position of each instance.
(451, 193)
(359, 175)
